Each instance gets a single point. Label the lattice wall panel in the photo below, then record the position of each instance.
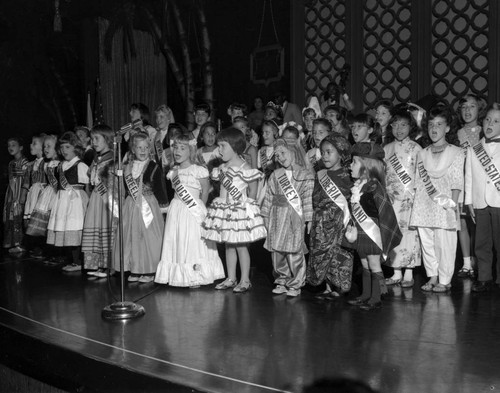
(325, 43)
(459, 48)
(386, 49)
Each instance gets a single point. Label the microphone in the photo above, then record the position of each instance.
(129, 127)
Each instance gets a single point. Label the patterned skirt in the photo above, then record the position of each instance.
(39, 219)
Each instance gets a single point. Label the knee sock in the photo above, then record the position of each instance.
(367, 284)
(378, 287)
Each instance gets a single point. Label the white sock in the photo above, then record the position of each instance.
(408, 275)
(397, 274)
(467, 263)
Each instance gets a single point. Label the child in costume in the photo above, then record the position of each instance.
(265, 157)
(15, 197)
(439, 181)
(287, 210)
(142, 213)
(376, 222)
(329, 260)
(482, 197)
(102, 213)
(187, 260)
(321, 129)
(471, 112)
(234, 217)
(401, 164)
(65, 227)
(36, 180)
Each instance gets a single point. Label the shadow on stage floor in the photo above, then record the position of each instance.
(207, 340)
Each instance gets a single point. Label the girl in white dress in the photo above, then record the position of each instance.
(187, 260)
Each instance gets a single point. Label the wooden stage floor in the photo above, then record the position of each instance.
(212, 341)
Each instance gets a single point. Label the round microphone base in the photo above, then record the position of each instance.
(122, 310)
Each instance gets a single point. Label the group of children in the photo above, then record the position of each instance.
(388, 188)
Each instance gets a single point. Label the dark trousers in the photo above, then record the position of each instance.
(487, 239)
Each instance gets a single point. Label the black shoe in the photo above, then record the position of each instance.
(370, 306)
(481, 286)
(357, 301)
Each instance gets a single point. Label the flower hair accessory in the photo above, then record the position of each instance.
(192, 142)
(289, 124)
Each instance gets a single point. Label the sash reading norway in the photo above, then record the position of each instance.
(334, 194)
(290, 192)
(442, 200)
(488, 166)
(136, 194)
(185, 196)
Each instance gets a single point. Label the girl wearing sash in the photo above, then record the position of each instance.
(471, 112)
(321, 129)
(39, 219)
(234, 217)
(287, 209)
(187, 260)
(15, 197)
(164, 117)
(329, 261)
(102, 217)
(439, 181)
(376, 222)
(142, 210)
(401, 164)
(36, 180)
(65, 226)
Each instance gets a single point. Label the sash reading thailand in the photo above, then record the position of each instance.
(400, 170)
(334, 194)
(290, 192)
(136, 194)
(368, 226)
(231, 189)
(185, 196)
(488, 166)
(439, 198)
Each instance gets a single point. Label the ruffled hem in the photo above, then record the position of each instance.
(188, 275)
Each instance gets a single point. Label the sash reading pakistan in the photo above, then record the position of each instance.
(136, 194)
(400, 170)
(334, 194)
(439, 198)
(488, 166)
(290, 192)
(185, 196)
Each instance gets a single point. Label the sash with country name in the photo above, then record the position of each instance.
(227, 183)
(135, 191)
(63, 181)
(265, 161)
(465, 145)
(368, 225)
(439, 198)
(102, 190)
(159, 148)
(289, 191)
(488, 166)
(51, 176)
(400, 170)
(334, 194)
(185, 196)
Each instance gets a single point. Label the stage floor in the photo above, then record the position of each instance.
(215, 341)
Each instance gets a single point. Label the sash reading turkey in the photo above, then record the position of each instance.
(231, 189)
(368, 225)
(488, 166)
(334, 194)
(400, 170)
(289, 191)
(185, 196)
(135, 191)
(439, 198)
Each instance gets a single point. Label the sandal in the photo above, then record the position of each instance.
(427, 287)
(226, 284)
(465, 273)
(392, 281)
(242, 287)
(407, 283)
(440, 288)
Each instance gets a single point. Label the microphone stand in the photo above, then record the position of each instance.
(121, 310)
